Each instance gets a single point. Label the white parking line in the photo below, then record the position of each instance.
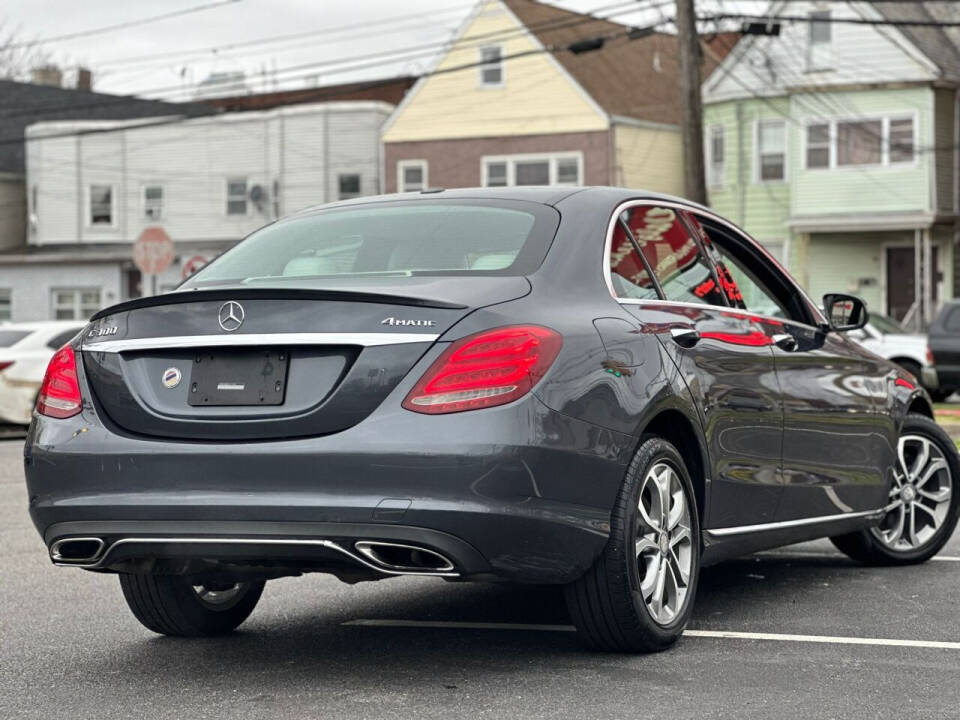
(719, 634)
(789, 554)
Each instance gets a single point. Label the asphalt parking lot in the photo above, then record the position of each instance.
(800, 632)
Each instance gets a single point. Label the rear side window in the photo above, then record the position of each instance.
(9, 338)
(677, 259)
(392, 239)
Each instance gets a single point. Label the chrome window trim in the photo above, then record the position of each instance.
(257, 339)
(763, 527)
(608, 244)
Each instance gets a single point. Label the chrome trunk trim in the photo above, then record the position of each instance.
(256, 339)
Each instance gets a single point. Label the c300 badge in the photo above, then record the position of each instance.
(171, 377)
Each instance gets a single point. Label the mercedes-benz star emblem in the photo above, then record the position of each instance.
(231, 315)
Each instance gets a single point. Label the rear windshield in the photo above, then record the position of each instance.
(9, 338)
(391, 239)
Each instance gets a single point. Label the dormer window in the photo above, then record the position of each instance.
(491, 68)
(819, 55)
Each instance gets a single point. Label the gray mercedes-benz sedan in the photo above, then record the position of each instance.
(599, 388)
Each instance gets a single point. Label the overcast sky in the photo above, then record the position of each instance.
(338, 29)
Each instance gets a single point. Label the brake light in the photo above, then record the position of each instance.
(486, 369)
(60, 392)
(5, 365)
(930, 360)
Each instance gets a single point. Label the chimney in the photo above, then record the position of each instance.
(47, 75)
(84, 79)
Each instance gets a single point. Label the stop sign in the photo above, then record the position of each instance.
(153, 251)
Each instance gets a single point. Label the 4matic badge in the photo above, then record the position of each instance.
(399, 321)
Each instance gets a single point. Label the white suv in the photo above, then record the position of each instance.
(888, 338)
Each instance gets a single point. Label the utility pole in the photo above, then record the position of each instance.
(694, 177)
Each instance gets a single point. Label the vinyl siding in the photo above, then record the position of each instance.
(536, 98)
(765, 205)
(303, 148)
(945, 134)
(649, 158)
(863, 189)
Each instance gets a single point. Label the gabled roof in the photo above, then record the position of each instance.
(934, 42)
(22, 104)
(633, 78)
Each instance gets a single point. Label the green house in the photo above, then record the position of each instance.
(836, 145)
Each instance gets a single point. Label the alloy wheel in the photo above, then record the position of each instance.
(664, 543)
(920, 499)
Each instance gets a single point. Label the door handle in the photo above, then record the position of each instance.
(785, 341)
(685, 337)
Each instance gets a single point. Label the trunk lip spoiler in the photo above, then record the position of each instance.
(187, 296)
(369, 339)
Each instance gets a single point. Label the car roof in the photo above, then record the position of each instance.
(546, 195)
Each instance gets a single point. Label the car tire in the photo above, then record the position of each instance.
(170, 605)
(613, 605)
(933, 504)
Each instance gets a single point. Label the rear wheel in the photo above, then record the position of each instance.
(923, 504)
(638, 595)
(171, 605)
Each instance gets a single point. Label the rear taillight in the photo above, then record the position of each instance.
(60, 392)
(489, 368)
(930, 357)
(5, 365)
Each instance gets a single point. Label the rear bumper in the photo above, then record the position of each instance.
(518, 492)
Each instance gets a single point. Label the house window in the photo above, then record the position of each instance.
(561, 169)
(819, 36)
(101, 205)
(716, 156)
(75, 303)
(818, 145)
(491, 68)
(152, 202)
(349, 186)
(236, 196)
(901, 140)
(496, 174)
(860, 142)
(772, 150)
(411, 175)
(6, 304)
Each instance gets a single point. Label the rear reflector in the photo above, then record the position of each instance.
(489, 368)
(60, 392)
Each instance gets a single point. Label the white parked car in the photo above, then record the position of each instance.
(888, 338)
(25, 350)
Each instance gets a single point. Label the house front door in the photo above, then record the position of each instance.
(901, 281)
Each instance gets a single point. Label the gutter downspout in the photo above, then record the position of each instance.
(741, 166)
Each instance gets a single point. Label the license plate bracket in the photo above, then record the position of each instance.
(238, 377)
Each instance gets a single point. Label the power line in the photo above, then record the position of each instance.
(378, 57)
(123, 25)
(831, 20)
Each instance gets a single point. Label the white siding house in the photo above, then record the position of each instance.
(94, 186)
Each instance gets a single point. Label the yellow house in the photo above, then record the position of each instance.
(531, 94)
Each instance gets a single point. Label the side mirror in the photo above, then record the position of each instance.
(845, 312)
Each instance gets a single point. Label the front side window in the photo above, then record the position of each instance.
(237, 196)
(491, 68)
(404, 239)
(716, 156)
(412, 175)
(75, 303)
(677, 260)
(101, 205)
(818, 145)
(348, 186)
(771, 150)
(860, 142)
(152, 202)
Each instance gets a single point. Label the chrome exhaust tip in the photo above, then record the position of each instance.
(77, 550)
(403, 558)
